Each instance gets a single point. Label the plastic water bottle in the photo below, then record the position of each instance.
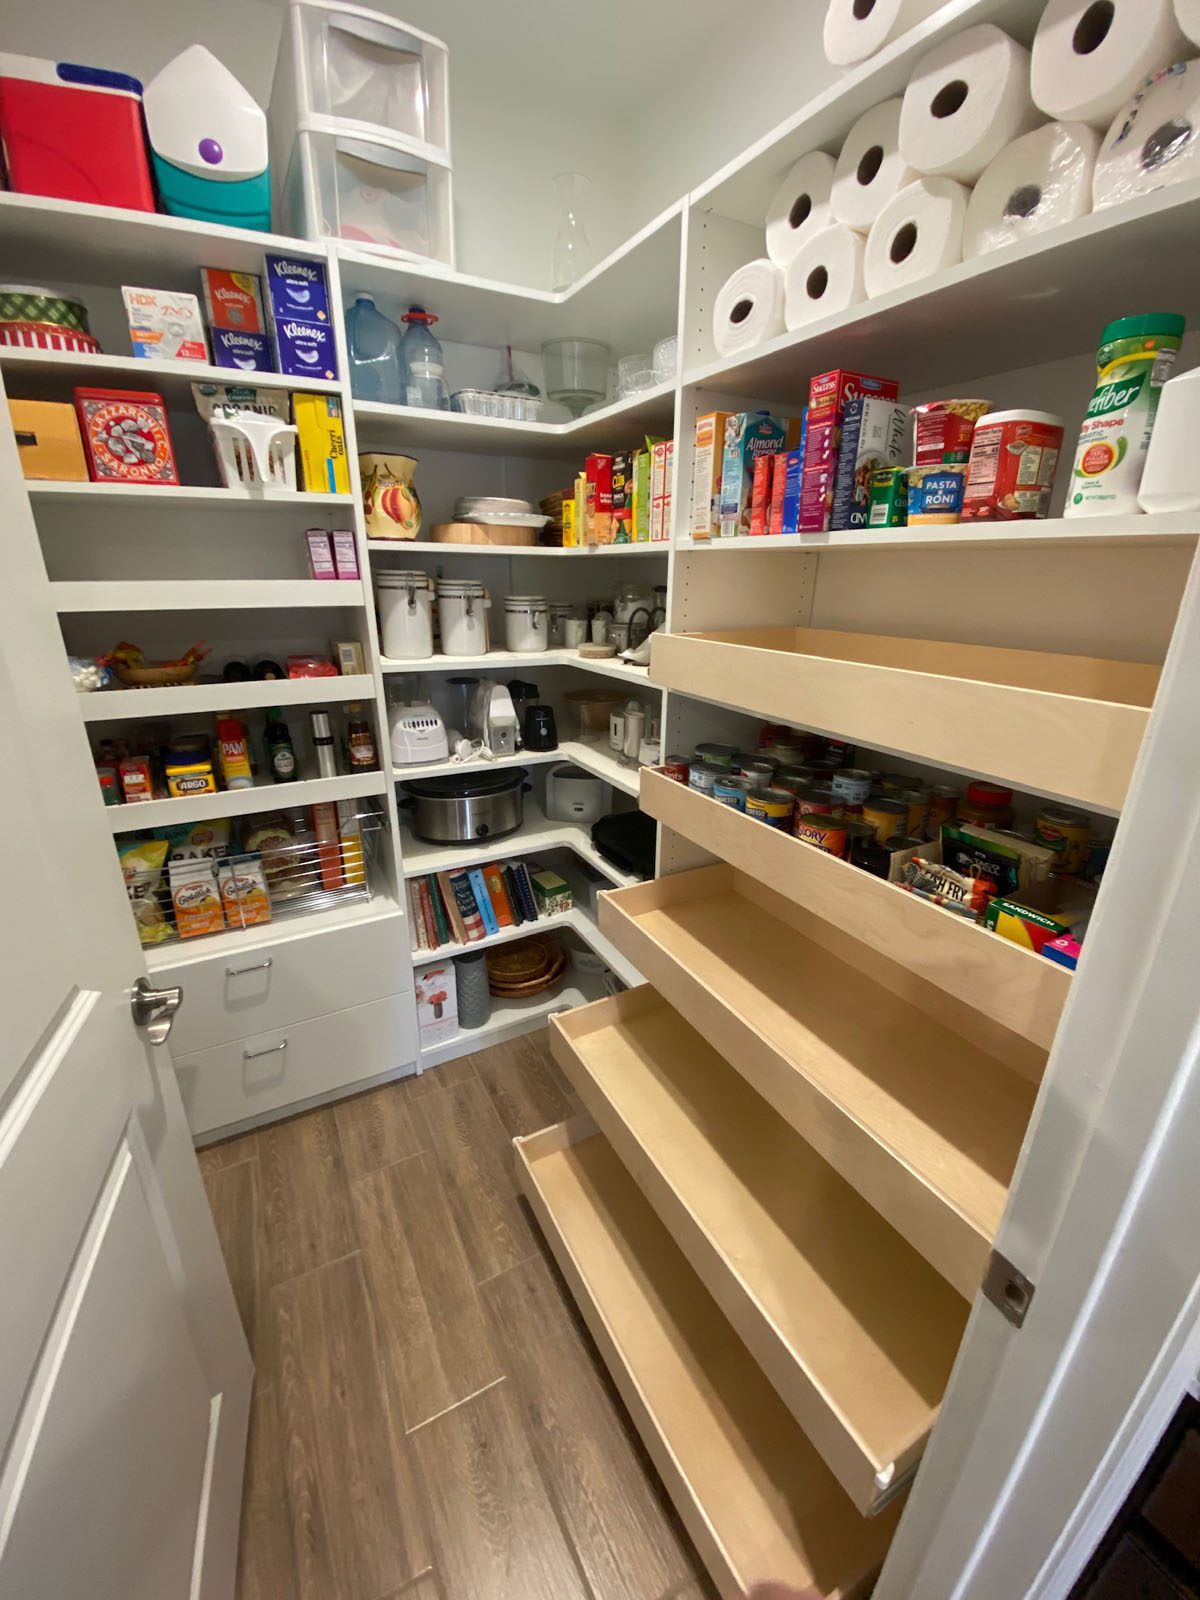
(373, 340)
(422, 361)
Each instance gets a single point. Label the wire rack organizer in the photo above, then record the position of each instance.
(274, 883)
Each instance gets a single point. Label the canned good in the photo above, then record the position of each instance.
(890, 782)
(943, 807)
(730, 789)
(789, 777)
(791, 755)
(888, 817)
(816, 797)
(886, 860)
(860, 836)
(851, 783)
(1068, 834)
(702, 775)
(988, 805)
(887, 503)
(760, 774)
(676, 767)
(917, 801)
(827, 832)
(773, 806)
(718, 755)
(744, 757)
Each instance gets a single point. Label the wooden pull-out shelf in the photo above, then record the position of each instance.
(1017, 989)
(755, 1496)
(923, 1123)
(1061, 725)
(856, 1332)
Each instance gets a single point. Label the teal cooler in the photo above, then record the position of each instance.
(208, 143)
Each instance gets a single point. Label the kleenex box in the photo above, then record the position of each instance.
(304, 349)
(297, 289)
(246, 352)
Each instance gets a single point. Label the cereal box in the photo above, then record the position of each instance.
(708, 456)
(322, 443)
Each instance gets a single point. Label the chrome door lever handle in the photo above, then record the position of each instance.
(154, 1009)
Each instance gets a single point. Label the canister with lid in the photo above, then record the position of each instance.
(405, 602)
(560, 610)
(462, 616)
(987, 805)
(526, 623)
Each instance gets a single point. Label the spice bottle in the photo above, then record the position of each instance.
(322, 737)
(361, 741)
(281, 756)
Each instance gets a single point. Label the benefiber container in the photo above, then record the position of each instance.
(73, 132)
(208, 142)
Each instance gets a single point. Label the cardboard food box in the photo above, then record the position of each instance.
(322, 441)
(874, 436)
(48, 441)
(708, 456)
(552, 893)
(437, 1002)
(748, 435)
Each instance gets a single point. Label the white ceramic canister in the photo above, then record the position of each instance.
(462, 616)
(560, 612)
(405, 602)
(526, 623)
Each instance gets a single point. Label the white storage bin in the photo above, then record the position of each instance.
(405, 614)
(372, 72)
(368, 191)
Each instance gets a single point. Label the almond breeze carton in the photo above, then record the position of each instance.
(748, 435)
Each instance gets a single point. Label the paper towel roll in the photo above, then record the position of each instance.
(826, 277)
(1187, 15)
(1040, 181)
(1090, 55)
(917, 233)
(800, 207)
(856, 29)
(870, 169)
(1153, 139)
(968, 98)
(749, 307)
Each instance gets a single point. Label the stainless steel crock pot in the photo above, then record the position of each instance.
(483, 805)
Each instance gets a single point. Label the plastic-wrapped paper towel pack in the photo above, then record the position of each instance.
(1040, 181)
(967, 99)
(749, 307)
(870, 168)
(826, 277)
(1153, 139)
(854, 30)
(1089, 57)
(917, 233)
(800, 206)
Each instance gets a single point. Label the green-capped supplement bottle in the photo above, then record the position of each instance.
(1135, 358)
(280, 755)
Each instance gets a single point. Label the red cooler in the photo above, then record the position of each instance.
(74, 132)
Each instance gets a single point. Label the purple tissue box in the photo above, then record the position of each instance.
(245, 352)
(304, 349)
(297, 290)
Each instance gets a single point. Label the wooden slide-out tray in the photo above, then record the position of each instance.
(1017, 989)
(1068, 726)
(856, 1332)
(922, 1122)
(755, 1496)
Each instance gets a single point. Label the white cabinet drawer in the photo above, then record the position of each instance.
(270, 1071)
(288, 979)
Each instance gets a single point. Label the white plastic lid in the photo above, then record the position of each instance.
(1046, 417)
(402, 580)
(201, 119)
(456, 588)
(538, 600)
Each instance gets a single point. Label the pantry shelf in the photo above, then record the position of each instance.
(1064, 726)
(752, 1491)
(159, 497)
(244, 802)
(856, 1331)
(1065, 280)
(498, 660)
(381, 426)
(396, 547)
(116, 705)
(1048, 533)
(510, 1018)
(536, 833)
(1015, 988)
(924, 1123)
(241, 941)
(576, 919)
(89, 368)
(194, 594)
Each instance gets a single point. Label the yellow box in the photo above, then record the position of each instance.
(323, 463)
(48, 442)
(707, 460)
(187, 778)
(570, 532)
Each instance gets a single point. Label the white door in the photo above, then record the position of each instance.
(124, 1375)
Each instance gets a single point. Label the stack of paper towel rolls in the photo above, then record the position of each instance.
(990, 144)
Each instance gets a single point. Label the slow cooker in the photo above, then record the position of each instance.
(483, 805)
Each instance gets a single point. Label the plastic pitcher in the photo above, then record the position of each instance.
(373, 341)
(423, 362)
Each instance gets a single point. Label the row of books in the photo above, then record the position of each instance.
(465, 906)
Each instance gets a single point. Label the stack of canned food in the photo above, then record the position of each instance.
(807, 784)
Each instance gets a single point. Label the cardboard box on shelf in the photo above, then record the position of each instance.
(323, 463)
(707, 457)
(437, 1002)
(48, 442)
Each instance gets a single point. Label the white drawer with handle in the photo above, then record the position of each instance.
(287, 979)
(266, 1072)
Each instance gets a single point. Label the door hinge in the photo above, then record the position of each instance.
(1009, 1290)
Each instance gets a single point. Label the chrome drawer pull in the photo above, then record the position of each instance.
(272, 1049)
(257, 966)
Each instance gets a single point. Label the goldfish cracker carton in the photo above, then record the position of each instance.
(708, 458)
(243, 887)
(196, 899)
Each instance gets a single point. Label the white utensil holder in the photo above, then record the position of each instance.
(254, 452)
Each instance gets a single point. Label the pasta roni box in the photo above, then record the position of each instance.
(748, 435)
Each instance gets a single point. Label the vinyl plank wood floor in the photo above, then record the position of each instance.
(430, 1420)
